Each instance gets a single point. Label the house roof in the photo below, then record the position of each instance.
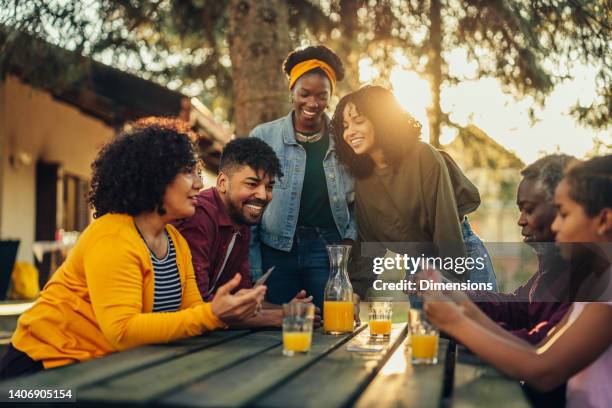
(477, 149)
(114, 96)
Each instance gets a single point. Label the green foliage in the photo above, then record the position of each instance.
(529, 45)
(171, 42)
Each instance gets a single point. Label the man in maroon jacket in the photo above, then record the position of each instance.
(219, 232)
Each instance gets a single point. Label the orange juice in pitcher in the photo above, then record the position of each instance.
(338, 297)
(337, 317)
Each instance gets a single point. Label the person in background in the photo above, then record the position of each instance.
(406, 190)
(219, 232)
(312, 204)
(579, 349)
(129, 280)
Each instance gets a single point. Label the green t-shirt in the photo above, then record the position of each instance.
(315, 210)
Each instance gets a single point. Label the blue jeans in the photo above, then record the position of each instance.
(475, 248)
(305, 266)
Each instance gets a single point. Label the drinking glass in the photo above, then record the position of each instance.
(381, 312)
(423, 338)
(297, 327)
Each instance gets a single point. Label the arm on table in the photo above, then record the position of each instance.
(508, 308)
(271, 314)
(471, 311)
(114, 280)
(564, 353)
(538, 332)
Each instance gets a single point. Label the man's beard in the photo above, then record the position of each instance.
(238, 216)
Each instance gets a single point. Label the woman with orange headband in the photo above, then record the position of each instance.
(312, 205)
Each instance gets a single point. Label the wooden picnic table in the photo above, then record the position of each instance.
(247, 368)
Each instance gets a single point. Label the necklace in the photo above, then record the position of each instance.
(308, 138)
(165, 235)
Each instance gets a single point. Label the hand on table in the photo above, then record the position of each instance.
(302, 298)
(240, 306)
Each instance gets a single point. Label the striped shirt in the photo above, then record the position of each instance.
(167, 293)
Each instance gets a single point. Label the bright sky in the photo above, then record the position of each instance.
(483, 103)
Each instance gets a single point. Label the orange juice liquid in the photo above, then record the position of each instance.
(297, 341)
(380, 327)
(424, 346)
(338, 317)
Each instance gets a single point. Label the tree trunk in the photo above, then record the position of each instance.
(348, 43)
(435, 72)
(258, 44)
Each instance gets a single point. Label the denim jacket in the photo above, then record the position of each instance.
(281, 215)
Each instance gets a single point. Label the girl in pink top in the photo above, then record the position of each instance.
(579, 349)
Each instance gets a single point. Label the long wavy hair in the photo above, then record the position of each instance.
(395, 130)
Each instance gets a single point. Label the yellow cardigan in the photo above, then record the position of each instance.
(101, 299)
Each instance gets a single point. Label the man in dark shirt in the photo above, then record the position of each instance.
(534, 308)
(219, 232)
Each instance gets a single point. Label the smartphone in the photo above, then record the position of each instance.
(264, 277)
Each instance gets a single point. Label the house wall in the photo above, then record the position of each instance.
(35, 126)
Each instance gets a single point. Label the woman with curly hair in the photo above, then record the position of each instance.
(311, 206)
(406, 191)
(129, 280)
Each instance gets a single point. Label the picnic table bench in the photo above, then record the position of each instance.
(247, 368)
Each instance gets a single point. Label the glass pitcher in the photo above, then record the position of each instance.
(338, 299)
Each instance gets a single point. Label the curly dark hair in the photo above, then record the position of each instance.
(591, 184)
(319, 52)
(252, 152)
(131, 173)
(396, 131)
(548, 170)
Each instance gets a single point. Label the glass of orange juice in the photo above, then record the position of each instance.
(297, 328)
(423, 338)
(381, 311)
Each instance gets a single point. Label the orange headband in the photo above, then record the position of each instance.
(308, 65)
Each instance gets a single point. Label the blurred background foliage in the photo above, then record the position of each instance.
(528, 45)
